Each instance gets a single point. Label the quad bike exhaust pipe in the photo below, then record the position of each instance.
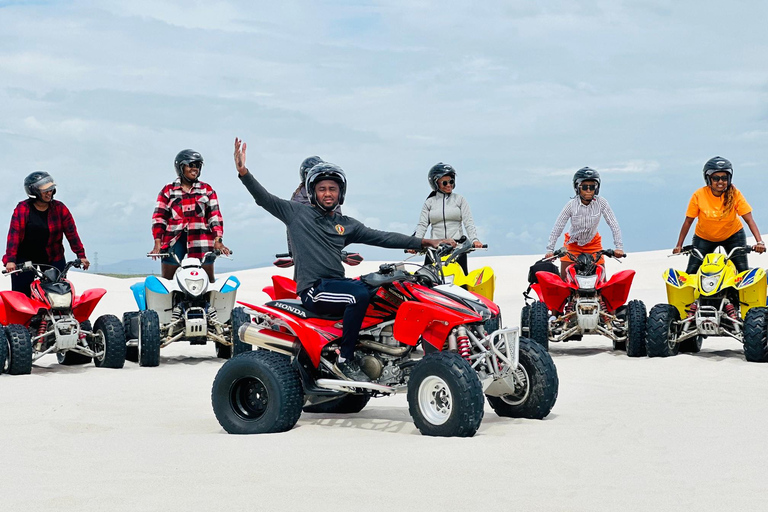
(252, 334)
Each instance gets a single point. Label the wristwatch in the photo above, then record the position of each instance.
(218, 239)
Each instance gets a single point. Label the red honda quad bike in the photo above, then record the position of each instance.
(55, 321)
(584, 303)
(419, 336)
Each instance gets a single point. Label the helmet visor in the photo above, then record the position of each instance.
(44, 184)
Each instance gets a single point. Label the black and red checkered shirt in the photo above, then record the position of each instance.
(197, 212)
(60, 224)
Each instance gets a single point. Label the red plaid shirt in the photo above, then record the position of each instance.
(60, 223)
(197, 212)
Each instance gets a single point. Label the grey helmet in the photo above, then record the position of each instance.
(186, 157)
(307, 164)
(325, 171)
(34, 181)
(717, 164)
(438, 171)
(586, 174)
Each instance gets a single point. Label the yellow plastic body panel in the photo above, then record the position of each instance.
(481, 281)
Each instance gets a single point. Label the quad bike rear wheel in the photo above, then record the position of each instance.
(109, 337)
(692, 345)
(539, 324)
(149, 339)
(536, 387)
(347, 404)
(661, 333)
(258, 392)
(70, 358)
(755, 342)
(636, 322)
(525, 320)
(130, 327)
(19, 360)
(238, 319)
(445, 397)
(3, 350)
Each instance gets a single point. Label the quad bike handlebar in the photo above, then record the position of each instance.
(44, 275)
(559, 253)
(216, 254)
(693, 251)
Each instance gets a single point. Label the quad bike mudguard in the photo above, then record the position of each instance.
(17, 308)
(416, 320)
(83, 305)
(552, 290)
(681, 290)
(481, 281)
(282, 288)
(616, 290)
(752, 288)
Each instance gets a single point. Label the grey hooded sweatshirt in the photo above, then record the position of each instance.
(446, 213)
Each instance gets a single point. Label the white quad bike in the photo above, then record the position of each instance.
(186, 308)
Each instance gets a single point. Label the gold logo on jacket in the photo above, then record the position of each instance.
(339, 229)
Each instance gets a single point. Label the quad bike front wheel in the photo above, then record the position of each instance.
(3, 350)
(108, 338)
(130, 328)
(636, 323)
(149, 338)
(525, 320)
(661, 333)
(539, 324)
(536, 385)
(755, 342)
(445, 397)
(257, 392)
(19, 360)
(70, 358)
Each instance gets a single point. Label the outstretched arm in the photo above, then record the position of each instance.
(687, 223)
(760, 245)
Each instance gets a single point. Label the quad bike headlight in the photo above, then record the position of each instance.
(195, 286)
(586, 282)
(709, 283)
(60, 300)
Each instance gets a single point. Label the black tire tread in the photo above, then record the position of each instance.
(114, 341)
(637, 319)
(755, 335)
(239, 318)
(131, 353)
(545, 384)
(657, 330)
(19, 350)
(149, 349)
(3, 349)
(539, 324)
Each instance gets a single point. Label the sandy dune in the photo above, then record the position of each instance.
(626, 434)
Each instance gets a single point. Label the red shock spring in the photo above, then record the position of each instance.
(730, 311)
(462, 343)
(692, 310)
(43, 327)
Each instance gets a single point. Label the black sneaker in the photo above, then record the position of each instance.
(351, 370)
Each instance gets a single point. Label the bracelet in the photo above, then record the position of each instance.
(760, 243)
(218, 239)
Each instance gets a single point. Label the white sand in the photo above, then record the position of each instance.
(686, 432)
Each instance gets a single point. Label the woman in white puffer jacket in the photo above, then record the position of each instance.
(446, 211)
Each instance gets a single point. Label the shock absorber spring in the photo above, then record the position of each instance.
(462, 341)
(692, 309)
(43, 327)
(730, 310)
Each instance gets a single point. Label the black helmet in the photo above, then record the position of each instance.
(438, 171)
(717, 164)
(307, 164)
(325, 171)
(34, 181)
(586, 174)
(186, 157)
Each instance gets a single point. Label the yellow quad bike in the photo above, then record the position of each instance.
(716, 301)
(481, 281)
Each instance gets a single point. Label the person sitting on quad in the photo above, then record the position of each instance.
(717, 207)
(187, 220)
(38, 227)
(446, 211)
(319, 233)
(584, 212)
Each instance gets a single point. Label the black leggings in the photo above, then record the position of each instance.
(738, 239)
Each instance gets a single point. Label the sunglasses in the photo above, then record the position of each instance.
(445, 183)
(715, 179)
(586, 187)
(196, 165)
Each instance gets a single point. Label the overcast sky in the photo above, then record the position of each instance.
(515, 95)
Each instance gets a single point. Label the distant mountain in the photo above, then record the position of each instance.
(142, 266)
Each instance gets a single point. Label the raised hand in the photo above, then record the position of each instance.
(240, 148)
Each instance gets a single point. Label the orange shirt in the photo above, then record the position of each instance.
(713, 224)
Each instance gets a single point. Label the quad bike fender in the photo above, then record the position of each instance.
(311, 340)
(84, 304)
(482, 282)
(228, 285)
(552, 290)
(222, 297)
(416, 320)
(284, 288)
(616, 290)
(139, 295)
(752, 289)
(681, 290)
(17, 308)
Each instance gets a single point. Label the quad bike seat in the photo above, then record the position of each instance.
(296, 308)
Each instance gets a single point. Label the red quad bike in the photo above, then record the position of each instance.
(419, 336)
(585, 303)
(55, 321)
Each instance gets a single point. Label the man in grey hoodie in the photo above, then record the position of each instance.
(318, 234)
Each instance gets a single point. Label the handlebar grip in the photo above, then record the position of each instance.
(282, 255)
(484, 246)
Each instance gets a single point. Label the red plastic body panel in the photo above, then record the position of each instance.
(17, 308)
(553, 290)
(431, 322)
(616, 290)
(83, 305)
